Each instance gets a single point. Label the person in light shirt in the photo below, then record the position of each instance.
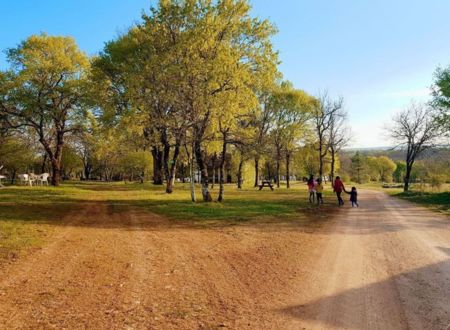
(319, 190)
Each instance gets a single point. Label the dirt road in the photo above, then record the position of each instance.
(385, 265)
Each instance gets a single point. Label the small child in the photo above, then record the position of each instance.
(354, 197)
(319, 190)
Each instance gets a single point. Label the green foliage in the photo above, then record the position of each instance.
(372, 168)
(441, 95)
(436, 181)
(359, 167)
(45, 90)
(16, 155)
(381, 168)
(136, 164)
(71, 162)
(400, 171)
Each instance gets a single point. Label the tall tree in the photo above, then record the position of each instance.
(229, 52)
(441, 96)
(339, 136)
(323, 114)
(416, 130)
(184, 59)
(263, 117)
(359, 165)
(125, 87)
(292, 108)
(44, 90)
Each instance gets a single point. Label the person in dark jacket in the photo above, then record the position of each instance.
(353, 197)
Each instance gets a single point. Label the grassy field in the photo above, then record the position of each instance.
(439, 201)
(420, 194)
(29, 214)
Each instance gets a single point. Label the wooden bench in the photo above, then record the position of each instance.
(265, 184)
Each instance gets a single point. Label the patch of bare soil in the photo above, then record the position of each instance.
(385, 265)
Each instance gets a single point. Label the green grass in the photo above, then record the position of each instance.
(439, 201)
(420, 194)
(28, 215)
(25, 226)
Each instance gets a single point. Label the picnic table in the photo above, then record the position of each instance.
(266, 183)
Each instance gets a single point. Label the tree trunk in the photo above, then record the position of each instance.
(166, 157)
(333, 161)
(278, 168)
(56, 172)
(320, 160)
(256, 171)
(56, 160)
(407, 177)
(157, 166)
(277, 177)
(190, 156)
(192, 183)
(239, 174)
(44, 163)
(203, 171)
(213, 177)
(55, 157)
(13, 178)
(87, 171)
(222, 168)
(288, 160)
(173, 169)
(183, 173)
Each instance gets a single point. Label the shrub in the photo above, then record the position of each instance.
(436, 181)
(365, 178)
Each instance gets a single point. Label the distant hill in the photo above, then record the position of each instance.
(398, 154)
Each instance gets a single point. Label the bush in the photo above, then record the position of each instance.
(436, 181)
(365, 178)
(345, 177)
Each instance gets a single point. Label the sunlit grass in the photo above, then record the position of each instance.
(439, 201)
(436, 200)
(28, 214)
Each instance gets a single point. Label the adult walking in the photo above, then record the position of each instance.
(338, 188)
(311, 188)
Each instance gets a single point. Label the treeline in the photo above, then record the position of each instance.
(191, 92)
(388, 166)
(195, 86)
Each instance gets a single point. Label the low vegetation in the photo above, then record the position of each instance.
(28, 215)
(439, 201)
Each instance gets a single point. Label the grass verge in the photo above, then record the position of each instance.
(438, 201)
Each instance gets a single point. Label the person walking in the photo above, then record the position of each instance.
(311, 188)
(354, 197)
(319, 191)
(338, 188)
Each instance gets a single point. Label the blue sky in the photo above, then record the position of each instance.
(376, 54)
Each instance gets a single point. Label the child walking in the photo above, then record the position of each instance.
(354, 197)
(319, 190)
